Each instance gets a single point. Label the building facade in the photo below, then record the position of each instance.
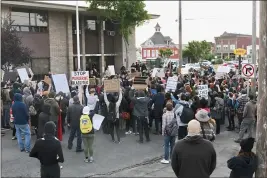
(226, 43)
(151, 47)
(49, 30)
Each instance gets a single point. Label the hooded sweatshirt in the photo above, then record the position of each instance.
(20, 111)
(48, 149)
(193, 157)
(250, 110)
(27, 97)
(74, 113)
(43, 119)
(243, 166)
(54, 109)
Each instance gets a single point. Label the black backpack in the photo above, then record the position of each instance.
(112, 114)
(187, 114)
(172, 128)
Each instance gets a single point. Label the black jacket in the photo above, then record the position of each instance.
(43, 119)
(48, 149)
(243, 166)
(158, 101)
(193, 157)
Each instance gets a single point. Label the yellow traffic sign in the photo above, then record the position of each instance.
(240, 51)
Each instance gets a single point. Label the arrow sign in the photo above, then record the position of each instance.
(248, 70)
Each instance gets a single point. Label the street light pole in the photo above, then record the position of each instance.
(180, 37)
(78, 35)
(254, 39)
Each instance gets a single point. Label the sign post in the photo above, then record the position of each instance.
(240, 52)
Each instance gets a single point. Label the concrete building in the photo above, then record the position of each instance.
(49, 30)
(151, 47)
(226, 43)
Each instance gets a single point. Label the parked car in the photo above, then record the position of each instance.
(231, 64)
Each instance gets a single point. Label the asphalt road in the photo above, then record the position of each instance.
(114, 160)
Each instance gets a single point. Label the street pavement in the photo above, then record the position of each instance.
(128, 159)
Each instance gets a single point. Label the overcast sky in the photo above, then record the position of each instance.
(208, 19)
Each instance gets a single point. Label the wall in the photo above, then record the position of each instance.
(132, 48)
(60, 39)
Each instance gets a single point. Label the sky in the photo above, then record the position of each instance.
(201, 20)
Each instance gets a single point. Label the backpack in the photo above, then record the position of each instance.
(187, 114)
(112, 114)
(212, 138)
(32, 110)
(86, 125)
(172, 128)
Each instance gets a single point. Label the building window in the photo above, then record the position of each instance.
(232, 47)
(157, 53)
(153, 53)
(218, 47)
(250, 51)
(225, 47)
(175, 52)
(91, 25)
(148, 53)
(144, 53)
(29, 20)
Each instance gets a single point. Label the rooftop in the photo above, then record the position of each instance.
(226, 34)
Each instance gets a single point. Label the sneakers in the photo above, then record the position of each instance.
(128, 133)
(237, 140)
(14, 138)
(91, 159)
(86, 160)
(136, 133)
(164, 161)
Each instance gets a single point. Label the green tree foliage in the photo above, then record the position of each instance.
(197, 50)
(165, 53)
(128, 14)
(13, 53)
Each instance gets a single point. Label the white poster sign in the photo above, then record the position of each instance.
(171, 84)
(80, 78)
(158, 72)
(203, 91)
(111, 70)
(23, 74)
(97, 121)
(223, 69)
(61, 83)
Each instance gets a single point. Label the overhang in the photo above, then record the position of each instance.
(31, 4)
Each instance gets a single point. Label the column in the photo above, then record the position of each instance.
(83, 43)
(69, 43)
(101, 46)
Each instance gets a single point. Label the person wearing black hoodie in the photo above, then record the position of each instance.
(48, 151)
(43, 119)
(245, 163)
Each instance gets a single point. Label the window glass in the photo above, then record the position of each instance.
(41, 19)
(144, 51)
(24, 29)
(148, 53)
(20, 18)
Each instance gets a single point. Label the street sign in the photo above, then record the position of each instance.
(240, 52)
(248, 70)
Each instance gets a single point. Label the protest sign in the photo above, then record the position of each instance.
(23, 74)
(223, 69)
(112, 85)
(158, 72)
(171, 84)
(92, 81)
(203, 91)
(79, 78)
(111, 70)
(61, 83)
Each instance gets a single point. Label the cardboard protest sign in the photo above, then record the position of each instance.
(80, 78)
(112, 85)
(12, 76)
(203, 91)
(61, 83)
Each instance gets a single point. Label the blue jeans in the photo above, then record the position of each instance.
(23, 130)
(169, 142)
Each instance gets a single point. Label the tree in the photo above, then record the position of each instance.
(127, 14)
(197, 50)
(13, 53)
(165, 53)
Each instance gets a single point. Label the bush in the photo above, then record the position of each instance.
(218, 61)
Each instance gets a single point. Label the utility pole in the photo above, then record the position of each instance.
(180, 37)
(254, 40)
(261, 133)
